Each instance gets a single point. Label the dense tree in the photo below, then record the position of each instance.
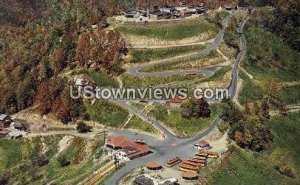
(251, 133)
(230, 113)
(42, 41)
(249, 130)
(83, 128)
(196, 109)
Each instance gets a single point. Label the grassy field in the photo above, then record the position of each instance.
(132, 81)
(188, 63)
(268, 57)
(20, 156)
(102, 79)
(81, 162)
(137, 124)
(250, 91)
(291, 95)
(107, 114)
(244, 167)
(146, 55)
(172, 118)
(174, 30)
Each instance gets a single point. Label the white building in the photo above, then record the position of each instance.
(122, 156)
(166, 10)
(141, 19)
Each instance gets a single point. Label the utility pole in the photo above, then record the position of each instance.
(148, 8)
(104, 134)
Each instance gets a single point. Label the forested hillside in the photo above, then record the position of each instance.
(41, 40)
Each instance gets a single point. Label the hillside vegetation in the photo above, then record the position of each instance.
(42, 160)
(46, 39)
(279, 165)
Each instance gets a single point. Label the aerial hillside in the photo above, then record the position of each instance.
(42, 40)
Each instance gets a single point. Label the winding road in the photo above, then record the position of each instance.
(136, 69)
(171, 145)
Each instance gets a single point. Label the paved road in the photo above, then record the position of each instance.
(173, 146)
(235, 72)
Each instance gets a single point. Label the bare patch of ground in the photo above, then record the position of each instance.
(30, 116)
(64, 143)
(217, 140)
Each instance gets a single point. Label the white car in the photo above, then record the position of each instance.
(197, 147)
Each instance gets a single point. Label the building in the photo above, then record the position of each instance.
(5, 121)
(175, 102)
(82, 81)
(132, 149)
(130, 14)
(193, 164)
(160, 15)
(122, 156)
(17, 125)
(190, 175)
(208, 154)
(15, 134)
(186, 167)
(141, 19)
(202, 144)
(165, 10)
(3, 133)
(153, 165)
(174, 162)
(230, 6)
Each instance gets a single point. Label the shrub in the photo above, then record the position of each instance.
(63, 161)
(284, 170)
(83, 128)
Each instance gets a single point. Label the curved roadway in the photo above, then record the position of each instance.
(136, 69)
(171, 146)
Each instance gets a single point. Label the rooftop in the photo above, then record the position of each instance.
(132, 149)
(153, 165)
(3, 117)
(177, 99)
(203, 143)
(190, 175)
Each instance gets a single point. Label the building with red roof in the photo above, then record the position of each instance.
(131, 148)
(176, 101)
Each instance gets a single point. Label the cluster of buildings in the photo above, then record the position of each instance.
(11, 128)
(173, 10)
(169, 11)
(16, 129)
(127, 150)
